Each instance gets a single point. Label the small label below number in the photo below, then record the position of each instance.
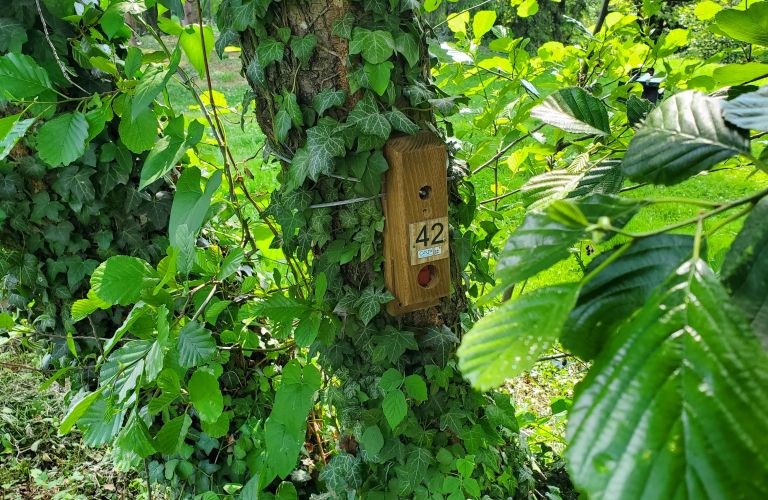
(428, 240)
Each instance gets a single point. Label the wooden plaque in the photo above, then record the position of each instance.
(416, 227)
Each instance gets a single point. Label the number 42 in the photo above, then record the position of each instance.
(424, 238)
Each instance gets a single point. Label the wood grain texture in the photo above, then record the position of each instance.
(416, 164)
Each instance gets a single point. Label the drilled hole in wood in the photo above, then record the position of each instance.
(427, 277)
(425, 192)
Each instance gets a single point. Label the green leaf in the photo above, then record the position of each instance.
(680, 385)
(567, 213)
(738, 74)
(391, 380)
(743, 271)
(120, 279)
(152, 82)
(12, 35)
(400, 122)
(63, 139)
(375, 46)
(255, 71)
(749, 25)
(408, 46)
(482, 23)
(372, 440)
(168, 382)
(132, 62)
(368, 119)
(140, 134)
(748, 111)
(292, 106)
(190, 203)
(192, 44)
(170, 438)
(528, 8)
(135, 437)
(168, 151)
(637, 110)
(21, 77)
(100, 424)
(624, 286)
(231, 263)
(269, 50)
(205, 394)
(342, 27)
(393, 344)
(196, 346)
(511, 339)
(371, 178)
(322, 147)
(11, 130)
(75, 182)
(327, 99)
(303, 47)
(77, 408)
(683, 136)
(395, 407)
(604, 177)
(378, 75)
(574, 110)
(282, 125)
(307, 329)
(441, 340)
(416, 387)
(542, 190)
(370, 301)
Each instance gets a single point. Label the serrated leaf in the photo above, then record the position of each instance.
(135, 437)
(416, 387)
(617, 291)
(372, 440)
(748, 111)
(190, 203)
(11, 130)
(168, 383)
(750, 25)
(682, 384)
(205, 394)
(196, 346)
(170, 438)
(395, 407)
(63, 139)
(391, 380)
(574, 110)
(120, 279)
(21, 76)
(605, 177)
(192, 43)
(375, 46)
(140, 134)
(152, 82)
(542, 190)
(511, 339)
(638, 109)
(683, 136)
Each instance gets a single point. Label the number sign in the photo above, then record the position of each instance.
(428, 240)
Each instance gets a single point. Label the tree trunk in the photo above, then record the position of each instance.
(190, 14)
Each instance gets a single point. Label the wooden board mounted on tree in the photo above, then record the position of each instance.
(417, 267)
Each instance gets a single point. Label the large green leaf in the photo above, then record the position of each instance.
(269, 50)
(375, 46)
(205, 395)
(152, 82)
(63, 139)
(621, 288)
(120, 279)
(511, 339)
(675, 405)
(170, 438)
(22, 77)
(573, 109)
(140, 134)
(303, 47)
(195, 344)
(167, 152)
(738, 74)
(749, 25)
(605, 177)
(190, 203)
(192, 44)
(748, 111)
(743, 271)
(683, 136)
(395, 407)
(135, 437)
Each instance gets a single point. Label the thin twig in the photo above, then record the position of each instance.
(258, 349)
(346, 202)
(506, 148)
(62, 66)
(149, 485)
(500, 197)
(202, 307)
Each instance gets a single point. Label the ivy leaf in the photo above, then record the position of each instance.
(448, 105)
(406, 44)
(442, 340)
(44, 207)
(342, 27)
(111, 175)
(574, 110)
(393, 344)
(75, 181)
(255, 71)
(59, 233)
(748, 111)
(327, 99)
(322, 146)
(282, 125)
(370, 301)
(196, 346)
(138, 135)
(510, 340)
(152, 82)
(205, 393)
(245, 13)
(683, 136)
(120, 279)
(290, 105)
(190, 203)
(79, 269)
(63, 139)
(371, 178)
(170, 438)
(21, 77)
(290, 221)
(375, 46)
(269, 50)
(303, 47)
(687, 364)
(400, 122)
(12, 35)
(378, 75)
(395, 407)
(368, 119)
(624, 286)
